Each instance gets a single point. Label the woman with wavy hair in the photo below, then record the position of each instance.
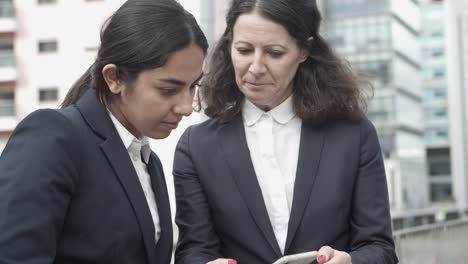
(287, 162)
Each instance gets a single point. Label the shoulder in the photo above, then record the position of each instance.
(359, 127)
(205, 128)
(359, 133)
(45, 127)
(208, 125)
(41, 120)
(40, 138)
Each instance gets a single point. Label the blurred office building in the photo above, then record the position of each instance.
(381, 38)
(8, 72)
(436, 101)
(456, 29)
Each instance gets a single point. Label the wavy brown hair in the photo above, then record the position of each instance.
(325, 87)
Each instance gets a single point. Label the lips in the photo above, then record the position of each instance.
(170, 124)
(256, 83)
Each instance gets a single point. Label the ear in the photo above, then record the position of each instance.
(304, 54)
(109, 72)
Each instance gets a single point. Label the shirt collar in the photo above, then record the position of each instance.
(128, 139)
(282, 113)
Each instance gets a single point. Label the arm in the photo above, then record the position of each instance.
(371, 235)
(198, 242)
(37, 179)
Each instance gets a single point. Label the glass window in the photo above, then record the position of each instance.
(438, 73)
(440, 93)
(377, 70)
(437, 52)
(7, 103)
(7, 56)
(48, 94)
(438, 33)
(6, 8)
(441, 192)
(45, 2)
(47, 46)
(440, 112)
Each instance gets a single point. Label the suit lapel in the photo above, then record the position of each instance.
(234, 146)
(119, 159)
(310, 149)
(99, 121)
(164, 245)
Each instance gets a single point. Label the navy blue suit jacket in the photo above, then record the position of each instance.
(340, 196)
(69, 193)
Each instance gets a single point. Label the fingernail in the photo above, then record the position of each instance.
(232, 261)
(322, 259)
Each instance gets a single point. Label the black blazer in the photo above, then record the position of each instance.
(340, 196)
(69, 193)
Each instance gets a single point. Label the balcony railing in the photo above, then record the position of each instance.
(434, 244)
(7, 59)
(6, 9)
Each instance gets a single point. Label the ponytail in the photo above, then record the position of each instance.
(78, 88)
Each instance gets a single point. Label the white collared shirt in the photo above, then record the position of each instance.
(273, 139)
(139, 151)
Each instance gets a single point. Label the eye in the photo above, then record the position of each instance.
(275, 53)
(168, 90)
(243, 51)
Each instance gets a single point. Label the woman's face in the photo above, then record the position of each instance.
(157, 100)
(265, 59)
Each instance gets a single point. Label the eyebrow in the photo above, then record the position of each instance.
(178, 82)
(267, 46)
(173, 81)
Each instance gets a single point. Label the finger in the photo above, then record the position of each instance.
(340, 257)
(325, 253)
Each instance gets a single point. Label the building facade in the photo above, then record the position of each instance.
(381, 39)
(456, 28)
(436, 101)
(8, 73)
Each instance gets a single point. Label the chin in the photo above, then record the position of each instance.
(159, 135)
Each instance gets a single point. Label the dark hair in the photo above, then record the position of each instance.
(140, 35)
(325, 88)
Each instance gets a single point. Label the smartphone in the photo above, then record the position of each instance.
(300, 258)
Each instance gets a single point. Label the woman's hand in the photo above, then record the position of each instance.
(328, 255)
(223, 261)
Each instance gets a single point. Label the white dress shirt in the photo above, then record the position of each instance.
(139, 151)
(273, 139)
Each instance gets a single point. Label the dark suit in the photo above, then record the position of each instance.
(340, 196)
(69, 193)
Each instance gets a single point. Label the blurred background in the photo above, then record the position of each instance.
(415, 52)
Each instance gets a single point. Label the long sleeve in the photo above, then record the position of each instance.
(38, 174)
(371, 236)
(198, 242)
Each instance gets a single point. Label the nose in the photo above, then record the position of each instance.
(184, 104)
(257, 66)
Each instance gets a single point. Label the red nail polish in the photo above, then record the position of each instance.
(322, 259)
(232, 261)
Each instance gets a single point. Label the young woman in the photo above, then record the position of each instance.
(81, 184)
